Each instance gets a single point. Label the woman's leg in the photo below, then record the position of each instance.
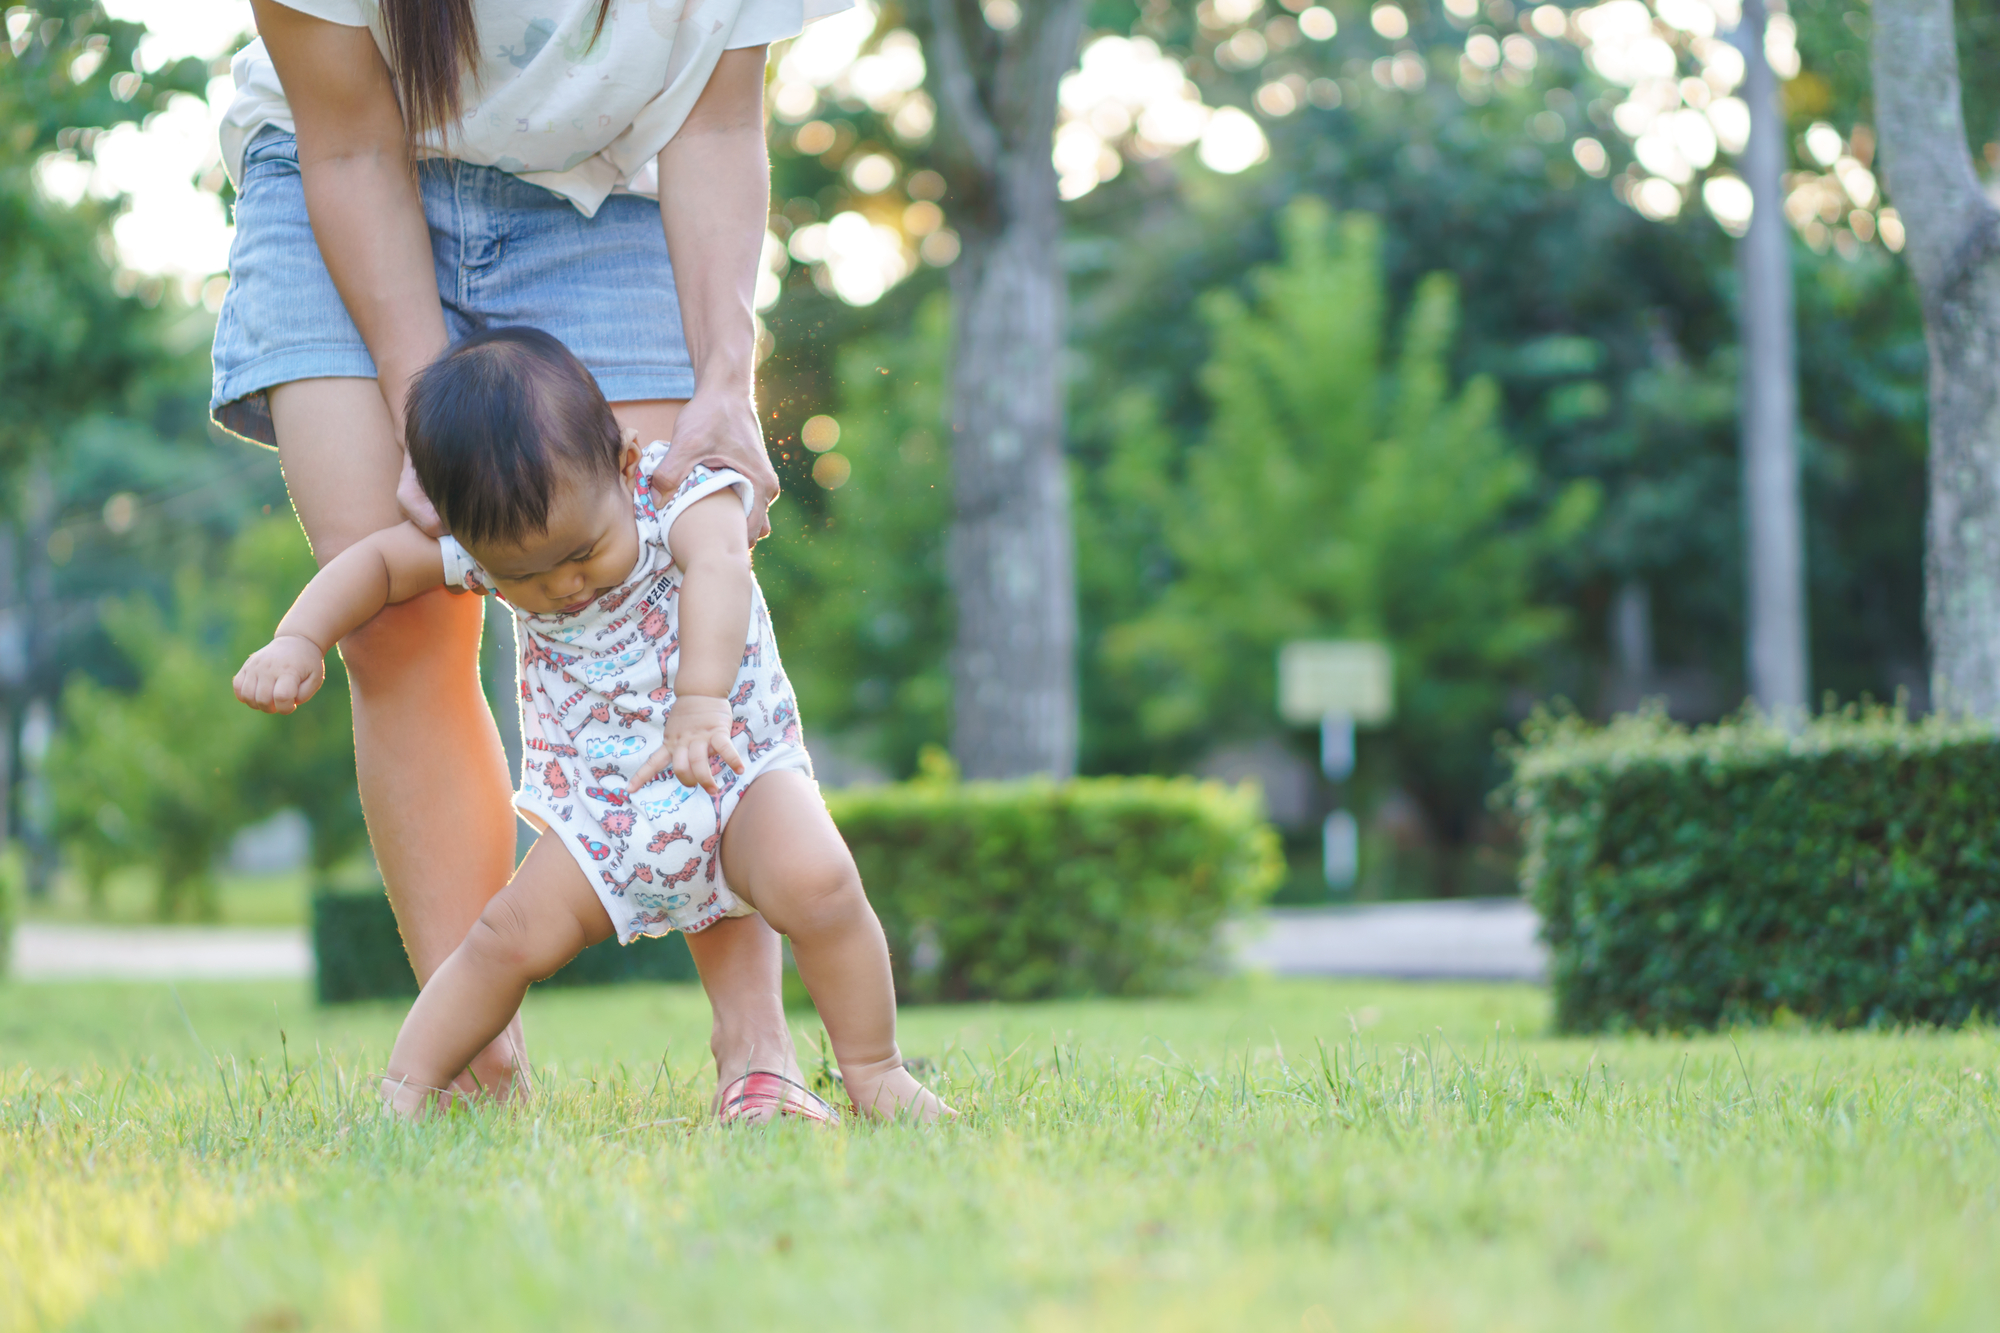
(432, 772)
(739, 958)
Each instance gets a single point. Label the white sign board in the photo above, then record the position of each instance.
(1321, 676)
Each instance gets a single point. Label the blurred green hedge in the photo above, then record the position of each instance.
(1847, 874)
(1024, 890)
(1100, 886)
(360, 954)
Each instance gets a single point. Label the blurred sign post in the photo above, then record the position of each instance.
(1340, 684)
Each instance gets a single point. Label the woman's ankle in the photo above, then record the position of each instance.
(739, 1050)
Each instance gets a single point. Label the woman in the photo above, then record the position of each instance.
(411, 170)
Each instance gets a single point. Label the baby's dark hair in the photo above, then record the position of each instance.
(496, 422)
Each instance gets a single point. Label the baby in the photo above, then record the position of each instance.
(646, 653)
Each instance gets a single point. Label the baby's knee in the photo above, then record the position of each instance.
(501, 941)
(829, 899)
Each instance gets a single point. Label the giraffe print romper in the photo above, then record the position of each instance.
(596, 687)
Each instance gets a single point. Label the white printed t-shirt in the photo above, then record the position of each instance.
(545, 103)
(596, 687)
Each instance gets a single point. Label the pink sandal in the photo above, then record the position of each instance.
(768, 1090)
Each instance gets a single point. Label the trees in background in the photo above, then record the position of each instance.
(164, 774)
(1609, 343)
(73, 346)
(862, 578)
(1340, 488)
(1954, 256)
(1773, 515)
(1014, 696)
(1612, 341)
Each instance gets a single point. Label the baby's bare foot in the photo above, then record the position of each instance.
(410, 1101)
(895, 1095)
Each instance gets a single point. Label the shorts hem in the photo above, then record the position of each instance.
(308, 361)
(239, 406)
(644, 382)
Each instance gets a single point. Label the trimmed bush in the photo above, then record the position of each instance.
(1101, 886)
(1848, 874)
(1025, 890)
(360, 954)
(357, 950)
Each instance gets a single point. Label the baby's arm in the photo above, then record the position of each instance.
(384, 568)
(709, 544)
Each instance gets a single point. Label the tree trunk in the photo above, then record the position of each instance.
(1952, 245)
(1013, 666)
(37, 822)
(1773, 519)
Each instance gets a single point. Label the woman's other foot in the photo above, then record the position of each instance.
(762, 1096)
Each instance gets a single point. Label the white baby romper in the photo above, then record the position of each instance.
(596, 687)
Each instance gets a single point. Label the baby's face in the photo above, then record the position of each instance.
(590, 546)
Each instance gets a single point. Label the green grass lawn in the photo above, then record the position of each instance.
(1275, 1155)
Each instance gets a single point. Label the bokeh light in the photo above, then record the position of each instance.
(1127, 96)
(1389, 21)
(820, 433)
(1232, 142)
(832, 471)
(1729, 202)
(1656, 199)
(852, 257)
(872, 173)
(1680, 72)
(771, 271)
(170, 169)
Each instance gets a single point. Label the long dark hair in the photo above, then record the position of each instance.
(431, 42)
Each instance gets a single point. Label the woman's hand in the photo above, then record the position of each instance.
(697, 728)
(417, 506)
(281, 675)
(720, 429)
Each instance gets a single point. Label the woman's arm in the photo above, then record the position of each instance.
(362, 198)
(384, 568)
(715, 201)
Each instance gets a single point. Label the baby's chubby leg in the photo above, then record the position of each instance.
(782, 855)
(546, 916)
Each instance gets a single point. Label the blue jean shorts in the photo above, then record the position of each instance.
(507, 253)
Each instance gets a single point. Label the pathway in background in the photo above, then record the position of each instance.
(1489, 939)
(44, 952)
(1483, 939)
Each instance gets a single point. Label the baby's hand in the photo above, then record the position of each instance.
(697, 727)
(281, 675)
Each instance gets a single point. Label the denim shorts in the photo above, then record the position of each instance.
(506, 252)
